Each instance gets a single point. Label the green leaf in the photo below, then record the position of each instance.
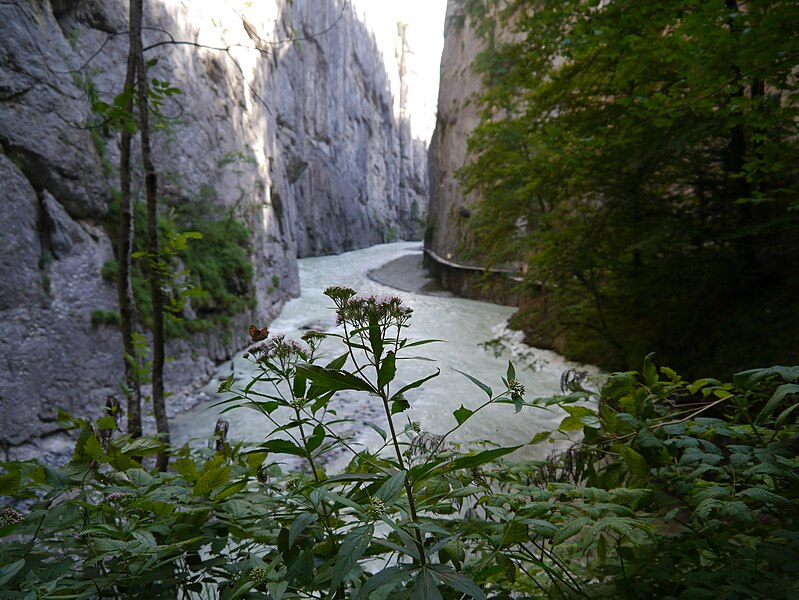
(187, 467)
(9, 482)
(381, 432)
(783, 416)
(332, 379)
(404, 344)
(748, 379)
(299, 524)
(298, 389)
(707, 507)
(229, 490)
(139, 479)
(210, 480)
(627, 527)
(375, 336)
(106, 422)
(511, 372)
(337, 363)
(392, 488)
(143, 446)
(670, 373)
(465, 462)
(639, 468)
(424, 587)
(477, 382)
(456, 581)
(462, 414)
(779, 395)
(602, 548)
(343, 500)
(57, 478)
(388, 370)
(413, 385)
(543, 528)
(571, 424)
(316, 439)
(739, 511)
(243, 588)
(570, 529)
(92, 449)
(581, 415)
(650, 373)
(7, 572)
(765, 497)
(67, 421)
(277, 589)
(224, 386)
(647, 439)
(352, 549)
(539, 437)
(282, 447)
(389, 576)
(399, 404)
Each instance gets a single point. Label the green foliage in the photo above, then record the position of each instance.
(676, 489)
(116, 116)
(105, 317)
(213, 272)
(220, 266)
(642, 159)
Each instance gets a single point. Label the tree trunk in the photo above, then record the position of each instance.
(125, 241)
(156, 270)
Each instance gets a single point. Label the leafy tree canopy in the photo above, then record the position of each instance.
(642, 159)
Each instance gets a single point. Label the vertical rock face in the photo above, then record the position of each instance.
(449, 208)
(296, 138)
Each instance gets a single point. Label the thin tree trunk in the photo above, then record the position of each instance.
(156, 268)
(125, 241)
(736, 145)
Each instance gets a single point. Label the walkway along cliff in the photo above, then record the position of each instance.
(448, 244)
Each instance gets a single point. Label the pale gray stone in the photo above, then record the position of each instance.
(298, 139)
(458, 114)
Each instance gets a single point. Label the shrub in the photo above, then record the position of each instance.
(213, 271)
(676, 489)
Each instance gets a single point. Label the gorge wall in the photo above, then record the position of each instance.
(458, 115)
(450, 255)
(297, 139)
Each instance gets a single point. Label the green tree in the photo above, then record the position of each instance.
(642, 159)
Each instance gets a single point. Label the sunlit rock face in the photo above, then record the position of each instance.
(458, 115)
(285, 121)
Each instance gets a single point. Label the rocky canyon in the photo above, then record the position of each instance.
(285, 122)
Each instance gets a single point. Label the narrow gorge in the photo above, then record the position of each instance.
(539, 344)
(285, 125)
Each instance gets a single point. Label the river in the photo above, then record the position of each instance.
(463, 325)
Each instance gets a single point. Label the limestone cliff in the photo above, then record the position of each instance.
(450, 208)
(285, 121)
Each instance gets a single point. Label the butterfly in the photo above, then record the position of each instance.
(258, 334)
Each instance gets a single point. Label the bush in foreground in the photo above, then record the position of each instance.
(676, 489)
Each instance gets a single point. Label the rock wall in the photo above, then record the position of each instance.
(449, 210)
(285, 120)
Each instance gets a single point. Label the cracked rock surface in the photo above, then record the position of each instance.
(295, 138)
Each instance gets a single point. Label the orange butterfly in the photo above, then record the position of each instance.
(258, 334)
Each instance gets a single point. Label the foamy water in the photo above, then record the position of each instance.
(463, 324)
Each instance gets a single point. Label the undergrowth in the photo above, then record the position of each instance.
(213, 273)
(671, 489)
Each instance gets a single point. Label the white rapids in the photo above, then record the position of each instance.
(463, 325)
